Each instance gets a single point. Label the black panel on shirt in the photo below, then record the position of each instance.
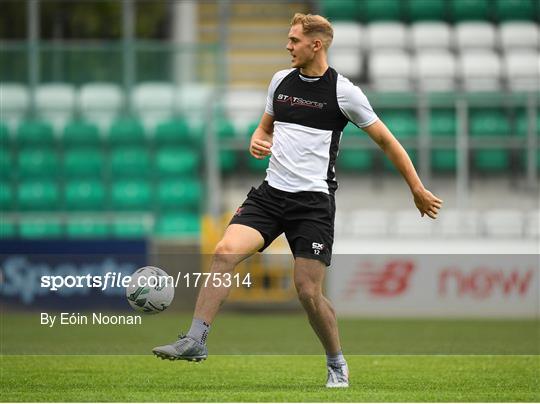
(313, 104)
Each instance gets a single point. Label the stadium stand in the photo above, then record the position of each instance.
(345, 54)
(430, 35)
(390, 70)
(522, 70)
(386, 35)
(474, 35)
(519, 35)
(435, 70)
(56, 104)
(100, 103)
(480, 70)
(153, 102)
(15, 101)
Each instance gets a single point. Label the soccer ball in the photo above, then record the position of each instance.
(151, 290)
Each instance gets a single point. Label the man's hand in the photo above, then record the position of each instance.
(259, 148)
(427, 203)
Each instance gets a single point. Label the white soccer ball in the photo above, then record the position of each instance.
(151, 290)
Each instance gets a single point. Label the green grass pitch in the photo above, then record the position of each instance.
(272, 358)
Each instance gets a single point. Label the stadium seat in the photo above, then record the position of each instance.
(179, 194)
(345, 54)
(130, 162)
(458, 223)
(390, 71)
(193, 102)
(154, 102)
(34, 162)
(178, 225)
(402, 122)
(480, 70)
(409, 223)
(37, 195)
(522, 123)
(465, 10)
(174, 132)
(519, 35)
(6, 163)
(386, 35)
(55, 103)
(430, 35)
(84, 195)
(366, 223)
(15, 101)
(354, 160)
(504, 223)
(127, 132)
(131, 195)
(40, 227)
(177, 161)
(475, 35)
(101, 103)
(227, 158)
(435, 70)
(444, 159)
(8, 229)
(84, 162)
(5, 135)
(340, 10)
(514, 10)
(242, 106)
(442, 122)
(418, 10)
(490, 122)
(6, 196)
(522, 70)
(81, 133)
(35, 133)
(88, 227)
(131, 227)
(381, 10)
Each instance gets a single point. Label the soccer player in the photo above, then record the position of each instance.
(306, 110)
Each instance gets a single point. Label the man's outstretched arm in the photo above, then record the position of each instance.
(425, 201)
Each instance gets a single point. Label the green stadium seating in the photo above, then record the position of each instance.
(84, 162)
(178, 225)
(38, 195)
(422, 10)
(85, 195)
(402, 122)
(463, 10)
(86, 227)
(337, 10)
(6, 196)
(444, 159)
(81, 133)
(442, 122)
(389, 166)
(127, 132)
(32, 163)
(381, 10)
(130, 162)
(173, 132)
(355, 160)
(506, 10)
(179, 194)
(132, 227)
(227, 158)
(7, 229)
(6, 163)
(490, 122)
(522, 123)
(131, 195)
(35, 133)
(43, 228)
(5, 138)
(255, 164)
(176, 161)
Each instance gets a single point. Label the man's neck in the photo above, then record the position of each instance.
(314, 69)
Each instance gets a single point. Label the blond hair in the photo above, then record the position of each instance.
(315, 25)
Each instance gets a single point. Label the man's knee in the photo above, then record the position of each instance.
(308, 292)
(227, 252)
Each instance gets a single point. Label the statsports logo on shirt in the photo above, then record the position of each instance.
(299, 101)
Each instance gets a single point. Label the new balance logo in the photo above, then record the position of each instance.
(299, 101)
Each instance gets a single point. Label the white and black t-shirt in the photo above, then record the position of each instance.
(309, 116)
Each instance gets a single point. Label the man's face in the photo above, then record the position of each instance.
(300, 47)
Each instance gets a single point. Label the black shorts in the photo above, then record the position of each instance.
(306, 218)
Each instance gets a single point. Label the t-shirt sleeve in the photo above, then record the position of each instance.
(274, 83)
(354, 103)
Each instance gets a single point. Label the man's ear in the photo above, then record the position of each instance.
(317, 45)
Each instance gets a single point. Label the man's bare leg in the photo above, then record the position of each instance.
(238, 243)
